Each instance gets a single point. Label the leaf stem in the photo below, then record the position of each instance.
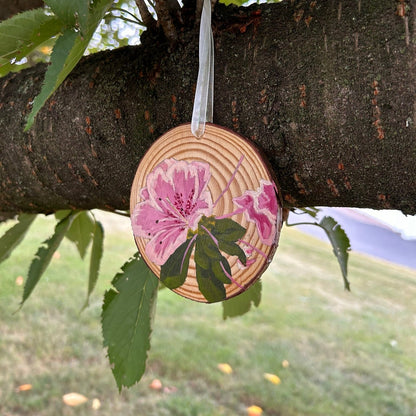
(137, 20)
(186, 251)
(236, 212)
(210, 234)
(230, 181)
(262, 253)
(230, 277)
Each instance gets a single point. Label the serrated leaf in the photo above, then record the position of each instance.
(73, 13)
(44, 255)
(127, 316)
(67, 52)
(241, 304)
(95, 261)
(23, 33)
(340, 244)
(14, 236)
(56, 72)
(81, 231)
(173, 273)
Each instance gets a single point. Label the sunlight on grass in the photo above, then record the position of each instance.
(349, 353)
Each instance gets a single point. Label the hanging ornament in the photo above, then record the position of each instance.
(205, 209)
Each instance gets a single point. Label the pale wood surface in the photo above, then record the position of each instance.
(222, 149)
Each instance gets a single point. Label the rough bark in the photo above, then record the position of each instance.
(9, 8)
(326, 88)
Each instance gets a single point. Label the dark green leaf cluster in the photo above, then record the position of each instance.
(213, 271)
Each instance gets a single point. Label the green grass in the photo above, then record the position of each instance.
(350, 353)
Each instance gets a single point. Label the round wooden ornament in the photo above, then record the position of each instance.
(205, 213)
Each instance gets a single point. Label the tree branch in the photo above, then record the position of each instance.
(166, 20)
(145, 14)
(329, 99)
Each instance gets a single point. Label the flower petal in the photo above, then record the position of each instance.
(147, 220)
(265, 226)
(267, 197)
(164, 244)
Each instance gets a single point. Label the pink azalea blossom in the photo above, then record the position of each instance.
(261, 207)
(175, 198)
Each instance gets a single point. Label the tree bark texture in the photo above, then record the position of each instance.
(325, 88)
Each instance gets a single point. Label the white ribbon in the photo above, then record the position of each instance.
(204, 93)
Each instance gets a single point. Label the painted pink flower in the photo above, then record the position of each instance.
(176, 196)
(261, 207)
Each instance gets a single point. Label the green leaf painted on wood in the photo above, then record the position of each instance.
(211, 287)
(81, 231)
(44, 255)
(127, 317)
(227, 230)
(340, 244)
(241, 304)
(173, 273)
(23, 33)
(67, 52)
(95, 261)
(14, 236)
(73, 13)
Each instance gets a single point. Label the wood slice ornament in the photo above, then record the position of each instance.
(205, 213)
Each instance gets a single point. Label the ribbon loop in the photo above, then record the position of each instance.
(204, 93)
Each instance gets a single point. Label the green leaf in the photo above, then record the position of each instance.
(44, 255)
(14, 236)
(95, 261)
(68, 50)
(340, 244)
(81, 231)
(227, 230)
(234, 2)
(127, 317)
(241, 304)
(212, 288)
(62, 213)
(56, 72)
(233, 249)
(73, 13)
(23, 33)
(173, 273)
(206, 251)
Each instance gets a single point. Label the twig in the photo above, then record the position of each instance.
(145, 14)
(166, 21)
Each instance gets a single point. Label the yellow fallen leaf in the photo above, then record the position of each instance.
(96, 404)
(156, 384)
(254, 411)
(46, 50)
(273, 378)
(285, 364)
(74, 399)
(225, 368)
(24, 387)
(19, 280)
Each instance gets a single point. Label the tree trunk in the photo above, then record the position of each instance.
(325, 88)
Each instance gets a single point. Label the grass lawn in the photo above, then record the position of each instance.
(349, 354)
